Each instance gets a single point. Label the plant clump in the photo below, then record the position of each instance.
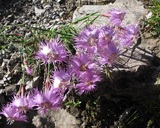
(95, 49)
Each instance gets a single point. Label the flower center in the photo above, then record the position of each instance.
(46, 50)
(88, 83)
(83, 67)
(46, 105)
(92, 40)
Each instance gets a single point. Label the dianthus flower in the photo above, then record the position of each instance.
(23, 103)
(86, 41)
(52, 51)
(108, 54)
(127, 35)
(87, 82)
(132, 29)
(106, 35)
(13, 114)
(61, 79)
(46, 100)
(116, 17)
(82, 63)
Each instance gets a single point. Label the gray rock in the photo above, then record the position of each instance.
(10, 90)
(46, 1)
(33, 83)
(10, 18)
(61, 14)
(4, 63)
(28, 35)
(133, 15)
(35, 1)
(6, 78)
(38, 12)
(133, 59)
(1, 91)
(56, 119)
(59, 1)
(47, 7)
(1, 82)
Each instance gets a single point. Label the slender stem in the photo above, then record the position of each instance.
(47, 83)
(48, 72)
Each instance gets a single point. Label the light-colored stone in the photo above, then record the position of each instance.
(9, 90)
(56, 119)
(134, 58)
(38, 11)
(134, 12)
(1, 82)
(33, 83)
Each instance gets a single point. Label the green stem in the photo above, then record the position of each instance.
(48, 72)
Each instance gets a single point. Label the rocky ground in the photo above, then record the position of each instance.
(131, 100)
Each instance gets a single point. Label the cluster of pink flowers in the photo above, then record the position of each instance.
(96, 47)
(39, 100)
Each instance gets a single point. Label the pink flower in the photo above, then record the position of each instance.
(61, 79)
(52, 51)
(132, 29)
(106, 35)
(116, 17)
(108, 54)
(23, 103)
(86, 41)
(46, 100)
(127, 35)
(87, 82)
(82, 63)
(13, 114)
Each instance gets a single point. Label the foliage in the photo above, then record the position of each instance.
(153, 23)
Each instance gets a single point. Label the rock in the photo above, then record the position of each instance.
(61, 14)
(56, 119)
(38, 12)
(1, 82)
(47, 7)
(10, 90)
(60, 1)
(134, 58)
(10, 18)
(4, 63)
(131, 17)
(33, 83)
(35, 1)
(1, 91)
(46, 1)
